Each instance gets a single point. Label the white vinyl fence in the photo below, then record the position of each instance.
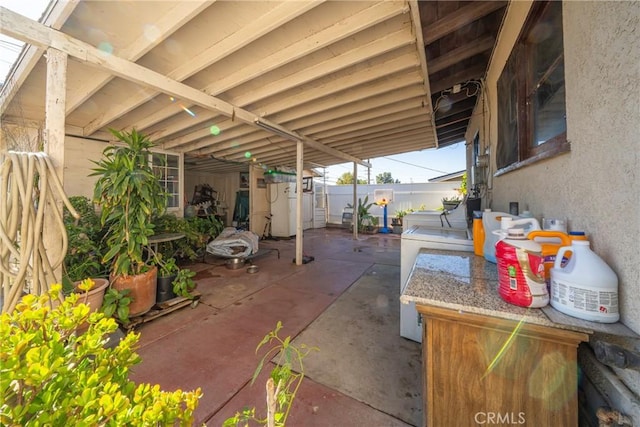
(405, 196)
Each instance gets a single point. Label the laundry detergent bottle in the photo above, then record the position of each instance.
(585, 287)
(521, 279)
(490, 223)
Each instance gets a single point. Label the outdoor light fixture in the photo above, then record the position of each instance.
(280, 132)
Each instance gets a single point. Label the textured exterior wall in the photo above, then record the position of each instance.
(602, 57)
(594, 185)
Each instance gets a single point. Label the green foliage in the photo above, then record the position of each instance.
(386, 178)
(283, 381)
(52, 376)
(347, 178)
(166, 268)
(463, 185)
(116, 303)
(365, 219)
(129, 194)
(184, 283)
(452, 199)
(85, 235)
(197, 231)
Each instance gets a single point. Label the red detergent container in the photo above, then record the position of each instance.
(521, 275)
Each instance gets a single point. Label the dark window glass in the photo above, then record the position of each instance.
(531, 92)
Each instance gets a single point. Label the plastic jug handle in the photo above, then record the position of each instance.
(558, 262)
(563, 237)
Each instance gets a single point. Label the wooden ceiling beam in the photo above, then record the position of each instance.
(461, 53)
(456, 108)
(447, 82)
(451, 139)
(21, 28)
(378, 129)
(353, 57)
(180, 14)
(300, 104)
(461, 116)
(55, 17)
(458, 19)
(278, 16)
(414, 113)
(373, 114)
(363, 107)
(260, 148)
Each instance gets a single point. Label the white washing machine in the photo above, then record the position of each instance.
(412, 240)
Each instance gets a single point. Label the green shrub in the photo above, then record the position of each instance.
(51, 375)
(197, 231)
(84, 256)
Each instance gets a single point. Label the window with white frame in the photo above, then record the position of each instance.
(531, 92)
(167, 169)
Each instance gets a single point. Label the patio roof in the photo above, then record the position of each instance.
(353, 80)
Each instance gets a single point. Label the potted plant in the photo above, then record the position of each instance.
(167, 273)
(83, 260)
(396, 222)
(450, 203)
(184, 284)
(129, 194)
(364, 217)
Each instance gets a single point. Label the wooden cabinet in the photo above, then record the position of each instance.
(482, 370)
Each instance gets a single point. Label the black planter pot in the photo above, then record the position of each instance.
(165, 288)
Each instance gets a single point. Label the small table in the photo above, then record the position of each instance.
(161, 238)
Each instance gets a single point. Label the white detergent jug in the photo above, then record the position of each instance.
(499, 223)
(586, 287)
(491, 223)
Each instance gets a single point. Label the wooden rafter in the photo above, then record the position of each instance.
(170, 22)
(29, 57)
(17, 26)
(460, 18)
(268, 22)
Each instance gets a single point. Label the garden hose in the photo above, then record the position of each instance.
(29, 190)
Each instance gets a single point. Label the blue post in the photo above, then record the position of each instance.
(385, 229)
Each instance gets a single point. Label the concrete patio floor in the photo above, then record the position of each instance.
(212, 346)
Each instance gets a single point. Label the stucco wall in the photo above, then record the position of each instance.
(79, 154)
(594, 185)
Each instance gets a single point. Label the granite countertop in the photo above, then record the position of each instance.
(465, 282)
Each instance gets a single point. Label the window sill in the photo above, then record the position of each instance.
(556, 151)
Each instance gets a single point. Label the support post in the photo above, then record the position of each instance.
(354, 217)
(299, 173)
(55, 105)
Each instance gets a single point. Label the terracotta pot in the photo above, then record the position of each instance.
(142, 290)
(95, 296)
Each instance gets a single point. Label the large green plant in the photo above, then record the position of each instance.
(364, 217)
(198, 231)
(129, 194)
(84, 257)
(52, 376)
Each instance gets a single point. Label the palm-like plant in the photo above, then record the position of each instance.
(129, 193)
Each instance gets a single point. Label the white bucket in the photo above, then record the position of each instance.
(586, 287)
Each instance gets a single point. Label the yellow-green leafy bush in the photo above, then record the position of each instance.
(51, 375)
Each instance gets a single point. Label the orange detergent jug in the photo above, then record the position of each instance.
(478, 233)
(551, 241)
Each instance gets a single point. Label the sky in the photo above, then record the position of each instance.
(415, 167)
(10, 48)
